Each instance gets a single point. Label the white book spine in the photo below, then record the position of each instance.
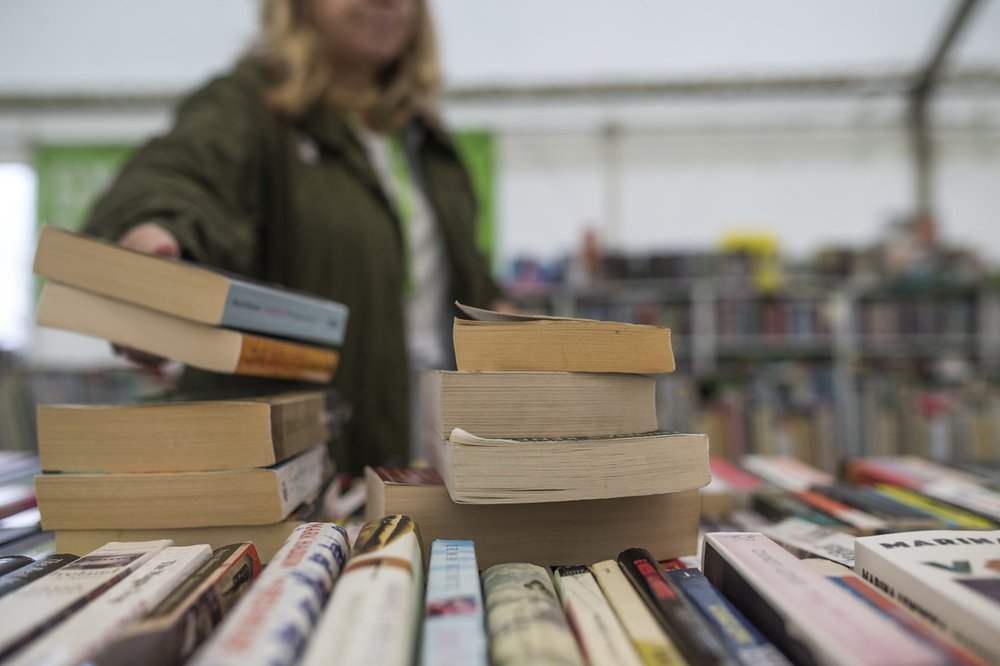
(300, 477)
(601, 635)
(37, 607)
(454, 627)
(272, 622)
(96, 626)
(525, 621)
(372, 617)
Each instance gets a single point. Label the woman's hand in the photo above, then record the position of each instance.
(150, 238)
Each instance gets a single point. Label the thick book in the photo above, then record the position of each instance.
(20, 577)
(497, 342)
(647, 636)
(524, 619)
(253, 496)
(179, 624)
(809, 618)
(39, 606)
(543, 534)
(454, 630)
(373, 615)
(599, 631)
(541, 404)
(199, 345)
(948, 651)
(743, 640)
(186, 290)
(94, 627)
(274, 620)
(183, 436)
(692, 635)
(949, 578)
(482, 470)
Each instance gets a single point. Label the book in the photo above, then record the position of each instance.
(541, 404)
(598, 630)
(543, 534)
(252, 496)
(949, 578)
(267, 539)
(953, 516)
(898, 517)
(16, 498)
(497, 342)
(182, 436)
(198, 345)
(20, 577)
(95, 626)
(454, 630)
(373, 615)
(742, 639)
(806, 539)
(730, 488)
(809, 618)
(42, 604)
(182, 621)
(275, 618)
(647, 636)
(786, 473)
(187, 290)
(524, 619)
(481, 470)
(948, 652)
(694, 638)
(11, 563)
(860, 522)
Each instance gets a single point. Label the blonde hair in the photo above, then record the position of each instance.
(299, 74)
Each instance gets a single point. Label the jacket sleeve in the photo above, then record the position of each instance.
(201, 181)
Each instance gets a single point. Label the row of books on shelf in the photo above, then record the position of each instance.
(927, 597)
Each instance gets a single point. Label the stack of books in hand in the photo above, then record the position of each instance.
(546, 446)
(204, 470)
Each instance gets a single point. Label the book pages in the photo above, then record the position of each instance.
(454, 625)
(599, 631)
(524, 618)
(94, 627)
(273, 621)
(372, 617)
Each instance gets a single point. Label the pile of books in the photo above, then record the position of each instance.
(546, 447)
(196, 471)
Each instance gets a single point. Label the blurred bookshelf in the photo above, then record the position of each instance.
(835, 357)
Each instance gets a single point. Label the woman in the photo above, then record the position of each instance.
(320, 163)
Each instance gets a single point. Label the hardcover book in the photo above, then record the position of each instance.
(275, 618)
(543, 534)
(497, 342)
(372, 617)
(183, 436)
(199, 345)
(481, 470)
(185, 290)
(949, 578)
(179, 499)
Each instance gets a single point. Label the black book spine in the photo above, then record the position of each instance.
(11, 563)
(21, 577)
(694, 638)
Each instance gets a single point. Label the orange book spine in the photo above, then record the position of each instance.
(264, 357)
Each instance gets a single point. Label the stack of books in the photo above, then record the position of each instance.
(204, 470)
(546, 447)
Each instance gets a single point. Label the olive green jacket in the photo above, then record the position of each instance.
(298, 203)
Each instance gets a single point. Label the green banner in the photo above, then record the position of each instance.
(479, 155)
(70, 178)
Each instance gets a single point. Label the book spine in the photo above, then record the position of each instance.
(454, 629)
(87, 632)
(372, 617)
(299, 477)
(692, 636)
(859, 520)
(648, 638)
(273, 621)
(264, 357)
(18, 579)
(810, 619)
(952, 515)
(743, 639)
(597, 629)
(37, 607)
(11, 563)
(525, 623)
(258, 308)
(172, 631)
